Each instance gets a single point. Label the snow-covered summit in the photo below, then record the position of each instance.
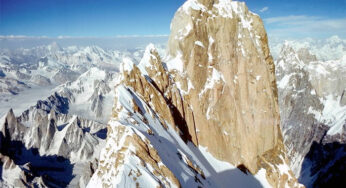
(332, 48)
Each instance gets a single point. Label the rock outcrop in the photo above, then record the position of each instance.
(216, 89)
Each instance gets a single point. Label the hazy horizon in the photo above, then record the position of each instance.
(105, 18)
(119, 43)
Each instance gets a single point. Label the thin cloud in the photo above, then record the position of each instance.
(136, 36)
(305, 26)
(264, 9)
(289, 19)
(79, 37)
(21, 37)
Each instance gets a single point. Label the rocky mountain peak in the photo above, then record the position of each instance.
(10, 115)
(221, 53)
(216, 89)
(305, 55)
(54, 47)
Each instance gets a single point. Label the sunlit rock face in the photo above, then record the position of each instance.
(215, 89)
(218, 55)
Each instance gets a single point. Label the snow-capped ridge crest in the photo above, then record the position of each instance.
(126, 65)
(149, 56)
(332, 48)
(54, 47)
(192, 4)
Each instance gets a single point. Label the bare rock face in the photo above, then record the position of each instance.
(228, 77)
(216, 89)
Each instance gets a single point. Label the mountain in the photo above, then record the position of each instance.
(62, 99)
(207, 116)
(57, 142)
(52, 64)
(313, 115)
(91, 95)
(47, 147)
(213, 110)
(33, 73)
(332, 48)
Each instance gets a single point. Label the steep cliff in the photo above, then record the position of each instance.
(228, 75)
(216, 89)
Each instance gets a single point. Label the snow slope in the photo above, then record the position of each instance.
(192, 166)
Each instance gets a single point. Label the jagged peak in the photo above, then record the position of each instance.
(150, 59)
(223, 8)
(52, 114)
(306, 56)
(93, 49)
(334, 39)
(94, 73)
(239, 132)
(196, 25)
(227, 7)
(289, 56)
(10, 113)
(302, 55)
(150, 47)
(193, 4)
(54, 46)
(287, 49)
(8, 117)
(127, 65)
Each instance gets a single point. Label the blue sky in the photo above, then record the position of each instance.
(106, 18)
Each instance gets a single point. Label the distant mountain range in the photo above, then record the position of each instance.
(213, 109)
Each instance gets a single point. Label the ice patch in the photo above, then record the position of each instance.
(176, 63)
(216, 77)
(284, 81)
(232, 175)
(146, 60)
(224, 8)
(261, 177)
(210, 55)
(199, 43)
(127, 65)
(184, 32)
(189, 87)
(193, 4)
(313, 92)
(218, 165)
(147, 56)
(333, 114)
(207, 114)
